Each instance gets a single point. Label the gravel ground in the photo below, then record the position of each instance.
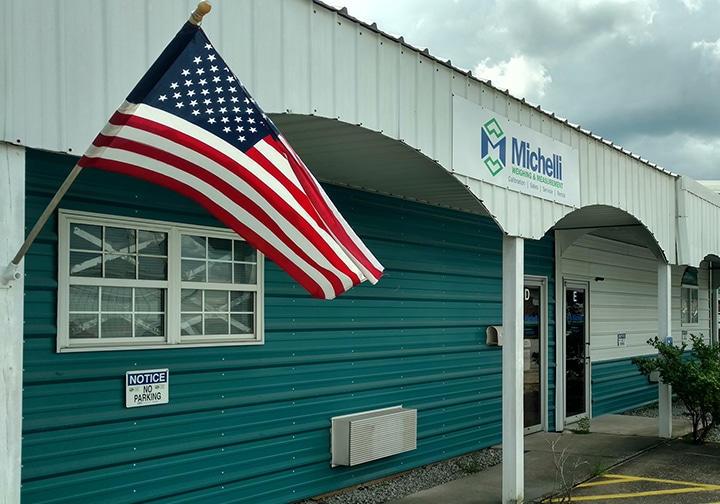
(416, 480)
(679, 411)
(442, 472)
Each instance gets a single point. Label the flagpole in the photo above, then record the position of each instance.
(10, 272)
(45, 216)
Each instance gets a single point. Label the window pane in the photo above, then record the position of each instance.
(215, 316)
(241, 324)
(245, 273)
(191, 300)
(119, 240)
(116, 325)
(242, 301)
(685, 305)
(193, 247)
(152, 243)
(116, 299)
(220, 272)
(149, 300)
(216, 324)
(219, 248)
(84, 264)
(83, 298)
(244, 252)
(152, 268)
(85, 237)
(120, 266)
(83, 326)
(216, 301)
(191, 324)
(193, 271)
(147, 325)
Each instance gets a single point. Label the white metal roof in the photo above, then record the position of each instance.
(362, 107)
(698, 219)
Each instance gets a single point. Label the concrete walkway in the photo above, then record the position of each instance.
(557, 461)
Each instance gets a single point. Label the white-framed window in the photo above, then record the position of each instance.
(128, 283)
(689, 305)
(689, 297)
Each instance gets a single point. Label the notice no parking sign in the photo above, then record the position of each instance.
(147, 388)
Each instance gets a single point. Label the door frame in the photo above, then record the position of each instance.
(570, 283)
(542, 283)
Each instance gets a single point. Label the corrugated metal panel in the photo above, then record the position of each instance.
(293, 55)
(626, 300)
(303, 58)
(617, 386)
(251, 424)
(698, 221)
(616, 179)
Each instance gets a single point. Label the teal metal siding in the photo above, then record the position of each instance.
(617, 386)
(251, 424)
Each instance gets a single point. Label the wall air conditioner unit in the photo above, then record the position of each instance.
(371, 435)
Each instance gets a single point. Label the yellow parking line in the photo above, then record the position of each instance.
(671, 482)
(640, 494)
(620, 478)
(612, 479)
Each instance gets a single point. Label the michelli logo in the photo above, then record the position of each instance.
(493, 147)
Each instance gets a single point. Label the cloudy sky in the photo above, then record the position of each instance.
(644, 74)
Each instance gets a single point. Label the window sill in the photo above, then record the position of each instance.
(163, 346)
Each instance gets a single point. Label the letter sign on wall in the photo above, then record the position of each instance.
(490, 147)
(146, 388)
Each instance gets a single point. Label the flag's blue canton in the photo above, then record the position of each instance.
(200, 88)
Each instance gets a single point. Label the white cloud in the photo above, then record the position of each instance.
(692, 5)
(521, 76)
(708, 47)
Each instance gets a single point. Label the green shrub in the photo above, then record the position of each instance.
(583, 426)
(695, 379)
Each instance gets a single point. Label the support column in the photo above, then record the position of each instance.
(664, 331)
(562, 242)
(713, 304)
(513, 464)
(12, 234)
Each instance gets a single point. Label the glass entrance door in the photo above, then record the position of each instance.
(532, 393)
(576, 351)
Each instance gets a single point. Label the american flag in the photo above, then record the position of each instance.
(191, 126)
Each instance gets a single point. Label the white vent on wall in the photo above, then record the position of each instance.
(370, 435)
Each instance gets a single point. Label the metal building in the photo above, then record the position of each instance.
(487, 212)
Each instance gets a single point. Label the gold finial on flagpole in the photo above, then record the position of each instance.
(202, 9)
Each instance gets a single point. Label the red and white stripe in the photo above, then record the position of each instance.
(336, 224)
(257, 194)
